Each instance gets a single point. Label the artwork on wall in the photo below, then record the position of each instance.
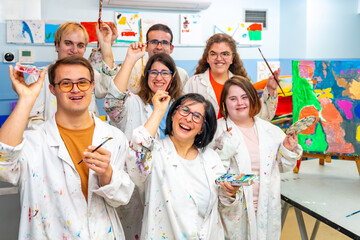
(128, 26)
(25, 31)
(190, 29)
(91, 30)
(328, 90)
(263, 71)
(250, 33)
(229, 29)
(244, 33)
(50, 29)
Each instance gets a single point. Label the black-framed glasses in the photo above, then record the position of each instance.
(156, 42)
(166, 74)
(223, 55)
(67, 85)
(185, 111)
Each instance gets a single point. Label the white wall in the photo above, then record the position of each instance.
(221, 11)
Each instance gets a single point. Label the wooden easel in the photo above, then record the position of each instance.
(327, 158)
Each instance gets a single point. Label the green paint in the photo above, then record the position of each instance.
(303, 95)
(255, 35)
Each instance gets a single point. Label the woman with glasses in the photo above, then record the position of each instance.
(247, 144)
(220, 61)
(178, 173)
(127, 110)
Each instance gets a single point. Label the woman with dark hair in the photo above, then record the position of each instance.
(248, 144)
(178, 173)
(126, 110)
(220, 61)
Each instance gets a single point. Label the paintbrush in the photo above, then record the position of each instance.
(109, 138)
(141, 40)
(169, 85)
(277, 80)
(225, 117)
(99, 20)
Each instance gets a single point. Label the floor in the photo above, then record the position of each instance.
(291, 229)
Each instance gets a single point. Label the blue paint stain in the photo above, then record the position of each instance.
(357, 111)
(26, 28)
(78, 235)
(110, 230)
(244, 35)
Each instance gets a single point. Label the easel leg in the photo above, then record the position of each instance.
(284, 213)
(315, 230)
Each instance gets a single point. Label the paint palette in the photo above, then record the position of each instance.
(30, 69)
(301, 124)
(245, 180)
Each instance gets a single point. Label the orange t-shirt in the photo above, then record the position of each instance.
(217, 89)
(76, 141)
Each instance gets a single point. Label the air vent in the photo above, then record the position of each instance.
(256, 16)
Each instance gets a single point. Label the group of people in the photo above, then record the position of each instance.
(152, 174)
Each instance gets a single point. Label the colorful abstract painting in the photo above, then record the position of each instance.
(229, 29)
(25, 31)
(250, 33)
(329, 90)
(50, 29)
(91, 30)
(128, 26)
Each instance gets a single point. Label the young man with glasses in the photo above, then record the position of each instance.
(159, 39)
(69, 188)
(71, 39)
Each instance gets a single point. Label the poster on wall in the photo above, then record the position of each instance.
(128, 25)
(91, 30)
(25, 31)
(50, 29)
(229, 29)
(190, 29)
(250, 33)
(328, 90)
(263, 71)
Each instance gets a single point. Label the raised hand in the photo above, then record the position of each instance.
(161, 100)
(136, 51)
(99, 162)
(115, 33)
(271, 83)
(104, 33)
(291, 141)
(21, 88)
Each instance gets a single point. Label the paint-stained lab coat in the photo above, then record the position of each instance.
(201, 84)
(52, 203)
(241, 222)
(170, 207)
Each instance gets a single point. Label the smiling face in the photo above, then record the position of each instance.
(238, 105)
(72, 43)
(76, 101)
(159, 35)
(161, 81)
(184, 128)
(220, 57)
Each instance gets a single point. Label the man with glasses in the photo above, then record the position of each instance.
(159, 39)
(69, 188)
(71, 39)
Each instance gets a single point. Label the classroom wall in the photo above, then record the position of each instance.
(225, 11)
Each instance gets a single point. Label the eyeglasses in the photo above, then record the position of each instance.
(185, 111)
(67, 86)
(164, 73)
(223, 55)
(156, 42)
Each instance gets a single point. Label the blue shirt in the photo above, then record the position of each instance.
(163, 122)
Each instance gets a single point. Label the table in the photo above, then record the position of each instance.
(328, 193)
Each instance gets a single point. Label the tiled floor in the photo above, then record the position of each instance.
(291, 229)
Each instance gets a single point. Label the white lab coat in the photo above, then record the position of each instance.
(201, 84)
(137, 72)
(46, 105)
(274, 158)
(52, 203)
(170, 208)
